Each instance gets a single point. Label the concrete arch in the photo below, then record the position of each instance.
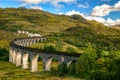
(47, 60)
(59, 58)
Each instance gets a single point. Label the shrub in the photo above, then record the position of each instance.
(62, 69)
(72, 68)
(3, 54)
(49, 48)
(99, 75)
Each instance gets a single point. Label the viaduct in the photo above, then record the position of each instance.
(20, 53)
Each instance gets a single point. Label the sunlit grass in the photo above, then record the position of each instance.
(4, 43)
(9, 71)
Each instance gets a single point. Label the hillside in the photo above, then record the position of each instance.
(37, 21)
(99, 45)
(9, 71)
(12, 19)
(116, 26)
(82, 36)
(44, 23)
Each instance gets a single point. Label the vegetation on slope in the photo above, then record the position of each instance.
(99, 44)
(13, 19)
(115, 26)
(81, 36)
(9, 71)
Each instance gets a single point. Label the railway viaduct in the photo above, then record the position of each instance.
(20, 53)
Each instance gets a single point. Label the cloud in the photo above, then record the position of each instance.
(31, 1)
(105, 9)
(53, 2)
(60, 13)
(86, 5)
(105, 0)
(56, 2)
(69, 13)
(108, 22)
(99, 19)
(36, 7)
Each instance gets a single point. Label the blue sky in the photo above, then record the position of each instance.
(104, 11)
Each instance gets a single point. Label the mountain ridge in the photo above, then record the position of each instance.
(13, 19)
(115, 26)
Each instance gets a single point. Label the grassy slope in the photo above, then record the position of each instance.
(116, 27)
(12, 19)
(33, 20)
(9, 71)
(107, 38)
(7, 36)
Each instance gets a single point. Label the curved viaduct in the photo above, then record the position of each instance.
(19, 54)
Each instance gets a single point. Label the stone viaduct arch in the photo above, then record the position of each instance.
(19, 53)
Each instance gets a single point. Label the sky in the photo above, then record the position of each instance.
(104, 11)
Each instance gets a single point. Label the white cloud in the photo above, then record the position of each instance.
(60, 13)
(108, 22)
(56, 2)
(105, 0)
(53, 2)
(36, 7)
(86, 5)
(69, 13)
(31, 1)
(117, 5)
(98, 19)
(105, 9)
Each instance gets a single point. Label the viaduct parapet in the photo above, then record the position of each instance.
(20, 54)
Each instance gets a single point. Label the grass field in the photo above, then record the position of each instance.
(9, 71)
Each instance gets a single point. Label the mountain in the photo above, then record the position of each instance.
(115, 26)
(73, 29)
(37, 21)
(13, 19)
(106, 39)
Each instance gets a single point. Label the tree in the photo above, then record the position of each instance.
(62, 69)
(85, 62)
(3, 54)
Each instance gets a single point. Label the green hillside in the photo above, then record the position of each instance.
(9, 71)
(12, 19)
(44, 23)
(99, 45)
(106, 39)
